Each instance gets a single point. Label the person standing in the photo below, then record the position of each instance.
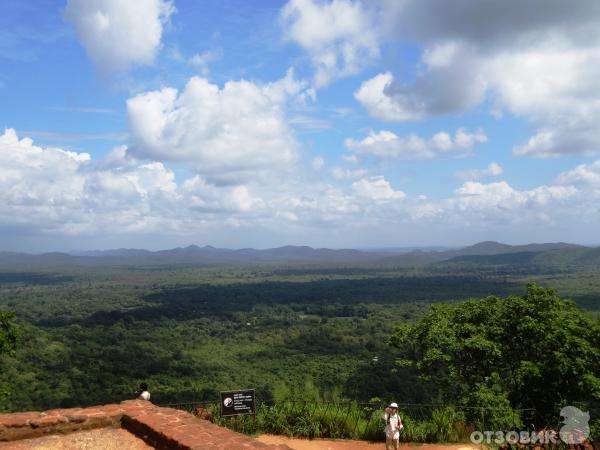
(393, 425)
(143, 393)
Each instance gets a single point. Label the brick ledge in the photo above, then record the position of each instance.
(163, 428)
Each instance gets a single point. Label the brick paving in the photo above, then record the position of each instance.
(162, 428)
(97, 439)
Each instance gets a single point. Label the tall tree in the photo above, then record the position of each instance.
(532, 351)
(8, 341)
(8, 332)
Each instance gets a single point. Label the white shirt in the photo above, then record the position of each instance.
(393, 425)
(145, 395)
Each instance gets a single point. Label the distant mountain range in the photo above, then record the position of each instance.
(209, 253)
(487, 253)
(496, 248)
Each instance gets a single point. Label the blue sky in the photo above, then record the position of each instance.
(328, 123)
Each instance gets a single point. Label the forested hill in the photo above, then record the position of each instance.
(550, 256)
(554, 260)
(555, 255)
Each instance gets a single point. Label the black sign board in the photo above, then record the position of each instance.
(238, 403)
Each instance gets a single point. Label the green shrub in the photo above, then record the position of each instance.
(447, 424)
(346, 421)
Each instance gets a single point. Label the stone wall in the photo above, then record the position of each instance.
(163, 428)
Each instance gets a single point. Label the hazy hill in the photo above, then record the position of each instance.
(497, 248)
(553, 259)
(482, 254)
(192, 254)
(116, 252)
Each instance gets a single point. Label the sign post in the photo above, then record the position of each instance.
(238, 403)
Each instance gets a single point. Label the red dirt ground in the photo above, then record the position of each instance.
(324, 444)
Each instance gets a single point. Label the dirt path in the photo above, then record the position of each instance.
(324, 444)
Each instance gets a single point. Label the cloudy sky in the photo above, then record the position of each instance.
(341, 123)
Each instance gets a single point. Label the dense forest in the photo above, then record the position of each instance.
(89, 335)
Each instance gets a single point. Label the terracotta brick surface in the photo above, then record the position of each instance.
(162, 428)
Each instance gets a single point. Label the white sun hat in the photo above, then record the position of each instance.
(394, 405)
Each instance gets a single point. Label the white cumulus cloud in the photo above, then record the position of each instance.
(372, 95)
(237, 130)
(583, 174)
(388, 145)
(540, 63)
(47, 191)
(57, 191)
(500, 197)
(118, 34)
(377, 188)
(338, 36)
(206, 197)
